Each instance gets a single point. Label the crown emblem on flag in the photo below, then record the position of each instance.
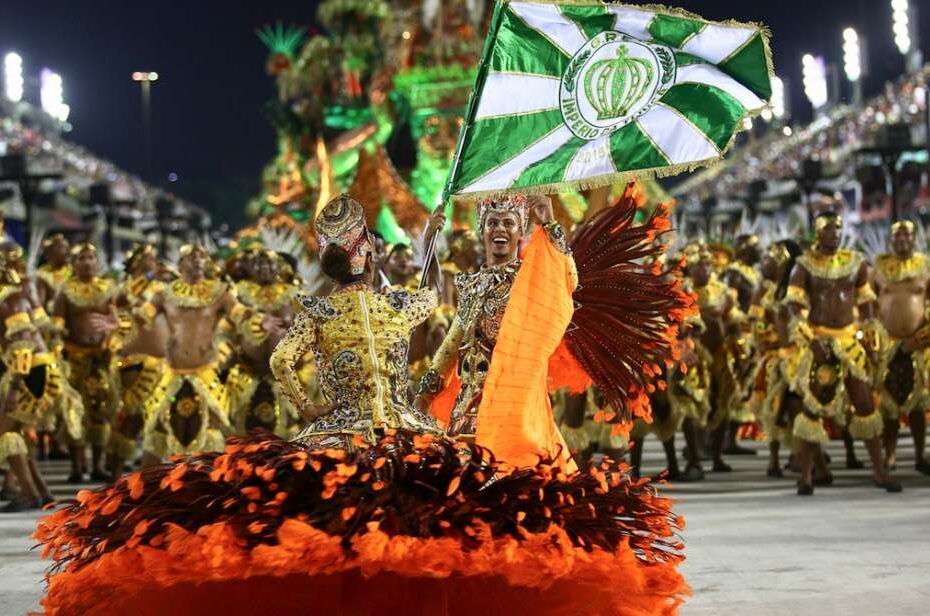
(613, 86)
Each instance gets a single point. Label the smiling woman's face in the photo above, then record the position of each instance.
(501, 235)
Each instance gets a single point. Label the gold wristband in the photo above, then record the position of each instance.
(17, 323)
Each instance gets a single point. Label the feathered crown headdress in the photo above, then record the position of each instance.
(515, 204)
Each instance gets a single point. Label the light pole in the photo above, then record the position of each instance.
(852, 63)
(145, 79)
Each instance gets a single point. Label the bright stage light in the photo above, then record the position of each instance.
(13, 83)
(815, 80)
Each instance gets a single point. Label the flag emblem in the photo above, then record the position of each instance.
(612, 80)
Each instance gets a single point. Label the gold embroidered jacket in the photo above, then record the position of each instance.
(359, 339)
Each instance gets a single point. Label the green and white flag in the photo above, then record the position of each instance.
(579, 94)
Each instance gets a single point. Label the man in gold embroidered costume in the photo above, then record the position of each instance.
(722, 319)
(482, 299)
(84, 302)
(140, 357)
(255, 396)
(189, 409)
(742, 275)
(902, 281)
(30, 381)
(773, 379)
(834, 369)
(359, 338)
(55, 269)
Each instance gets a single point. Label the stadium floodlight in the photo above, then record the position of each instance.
(778, 98)
(13, 83)
(852, 55)
(815, 80)
(51, 95)
(145, 76)
(900, 19)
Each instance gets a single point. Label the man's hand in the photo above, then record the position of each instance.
(541, 207)
(437, 221)
(272, 325)
(422, 403)
(311, 412)
(103, 323)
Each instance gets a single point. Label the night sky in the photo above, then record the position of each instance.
(207, 105)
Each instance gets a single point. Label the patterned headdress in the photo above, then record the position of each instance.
(189, 249)
(827, 218)
(136, 253)
(906, 225)
(77, 249)
(342, 222)
(515, 204)
(52, 239)
(779, 253)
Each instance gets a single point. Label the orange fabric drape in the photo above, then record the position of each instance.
(445, 401)
(515, 418)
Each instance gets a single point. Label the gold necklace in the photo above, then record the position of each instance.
(95, 292)
(842, 264)
(895, 269)
(198, 295)
(269, 297)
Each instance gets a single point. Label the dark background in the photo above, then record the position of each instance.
(208, 125)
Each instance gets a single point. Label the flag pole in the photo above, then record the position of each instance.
(472, 109)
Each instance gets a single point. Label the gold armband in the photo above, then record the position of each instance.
(40, 318)
(797, 295)
(137, 286)
(146, 313)
(238, 314)
(19, 357)
(126, 332)
(17, 324)
(800, 331)
(252, 331)
(224, 351)
(756, 312)
(865, 294)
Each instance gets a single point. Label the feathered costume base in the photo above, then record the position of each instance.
(416, 524)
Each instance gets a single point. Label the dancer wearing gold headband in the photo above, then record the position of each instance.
(742, 275)
(902, 280)
(774, 378)
(30, 381)
(256, 398)
(838, 351)
(189, 409)
(483, 297)
(55, 269)
(140, 358)
(85, 303)
(722, 320)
